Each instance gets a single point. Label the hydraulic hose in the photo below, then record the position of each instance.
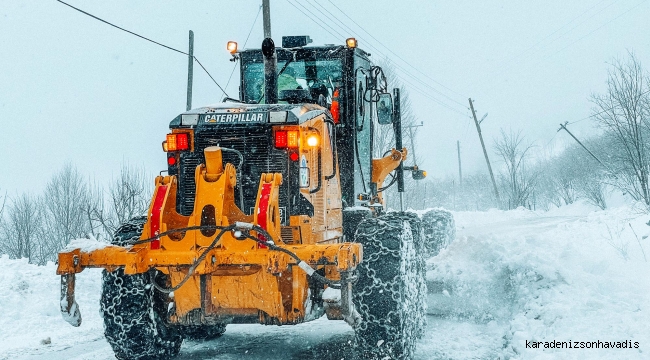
(245, 229)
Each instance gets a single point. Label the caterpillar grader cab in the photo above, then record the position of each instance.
(271, 212)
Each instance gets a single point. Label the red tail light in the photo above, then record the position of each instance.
(182, 142)
(286, 139)
(177, 142)
(280, 139)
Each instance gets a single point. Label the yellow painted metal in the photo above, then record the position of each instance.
(237, 277)
(382, 167)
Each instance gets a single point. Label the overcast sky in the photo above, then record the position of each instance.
(73, 89)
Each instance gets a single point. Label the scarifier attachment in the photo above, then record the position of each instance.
(69, 307)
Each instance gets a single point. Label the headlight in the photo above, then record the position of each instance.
(189, 119)
(277, 116)
(312, 140)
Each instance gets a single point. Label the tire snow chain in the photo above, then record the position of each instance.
(242, 232)
(390, 287)
(141, 288)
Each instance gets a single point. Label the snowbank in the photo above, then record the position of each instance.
(510, 277)
(29, 304)
(572, 274)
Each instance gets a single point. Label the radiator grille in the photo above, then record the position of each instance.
(260, 156)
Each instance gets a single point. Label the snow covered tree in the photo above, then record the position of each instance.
(22, 231)
(517, 180)
(64, 202)
(623, 113)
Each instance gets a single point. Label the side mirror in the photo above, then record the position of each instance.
(385, 109)
(418, 174)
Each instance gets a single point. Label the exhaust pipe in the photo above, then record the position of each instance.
(270, 58)
(69, 307)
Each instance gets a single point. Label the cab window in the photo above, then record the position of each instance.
(320, 77)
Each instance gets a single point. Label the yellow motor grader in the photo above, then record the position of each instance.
(271, 212)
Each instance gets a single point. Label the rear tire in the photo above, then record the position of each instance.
(421, 268)
(134, 315)
(386, 291)
(439, 230)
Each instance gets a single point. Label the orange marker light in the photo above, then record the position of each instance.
(171, 142)
(292, 139)
(232, 47)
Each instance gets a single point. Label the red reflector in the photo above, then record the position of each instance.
(182, 142)
(171, 161)
(280, 139)
(262, 215)
(155, 215)
(293, 156)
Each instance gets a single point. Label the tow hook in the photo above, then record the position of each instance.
(69, 307)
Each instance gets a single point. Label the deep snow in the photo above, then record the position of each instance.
(574, 273)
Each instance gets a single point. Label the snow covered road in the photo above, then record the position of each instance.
(510, 277)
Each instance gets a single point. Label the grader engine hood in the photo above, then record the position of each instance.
(246, 114)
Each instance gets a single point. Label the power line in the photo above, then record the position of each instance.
(316, 22)
(601, 112)
(245, 42)
(352, 32)
(425, 94)
(387, 48)
(591, 32)
(602, 26)
(397, 65)
(147, 39)
(561, 35)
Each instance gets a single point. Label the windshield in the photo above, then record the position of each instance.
(320, 77)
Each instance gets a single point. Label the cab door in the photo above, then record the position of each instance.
(362, 130)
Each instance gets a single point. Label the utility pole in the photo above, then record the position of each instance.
(190, 71)
(460, 171)
(397, 128)
(584, 147)
(270, 57)
(487, 160)
(410, 127)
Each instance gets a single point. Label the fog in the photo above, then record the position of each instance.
(76, 90)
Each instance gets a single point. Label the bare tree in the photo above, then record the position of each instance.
(517, 180)
(65, 198)
(623, 113)
(22, 231)
(2, 207)
(93, 211)
(128, 196)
